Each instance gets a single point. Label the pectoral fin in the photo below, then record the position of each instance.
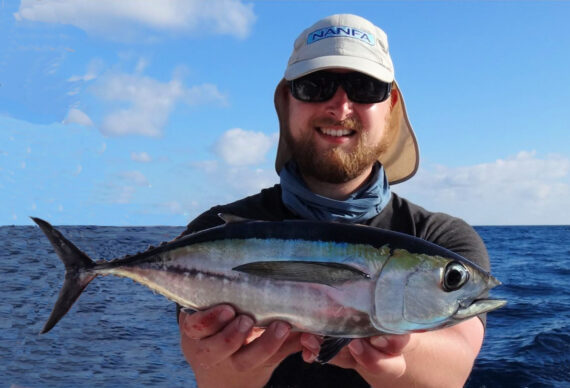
(304, 271)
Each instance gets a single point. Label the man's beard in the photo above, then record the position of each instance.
(335, 165)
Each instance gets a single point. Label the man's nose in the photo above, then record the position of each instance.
(339, 106)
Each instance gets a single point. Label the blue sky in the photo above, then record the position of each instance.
(148, 113)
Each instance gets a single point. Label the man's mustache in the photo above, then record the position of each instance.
(351, 123)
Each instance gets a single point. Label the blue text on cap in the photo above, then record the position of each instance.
(340, 32)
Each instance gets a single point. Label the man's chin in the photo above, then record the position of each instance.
(330, 170)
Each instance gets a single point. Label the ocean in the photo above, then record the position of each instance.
(120, 333)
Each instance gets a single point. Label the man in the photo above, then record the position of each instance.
(344, 136)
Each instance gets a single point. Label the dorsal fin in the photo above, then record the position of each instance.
(232, 218)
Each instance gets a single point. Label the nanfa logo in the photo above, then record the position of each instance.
(340, 32)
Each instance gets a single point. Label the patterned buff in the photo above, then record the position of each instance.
(362, 205)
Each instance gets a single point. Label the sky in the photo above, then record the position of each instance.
(149, 113)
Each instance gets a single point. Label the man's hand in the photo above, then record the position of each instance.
(374, 355)
(224, 349)
(440, 358)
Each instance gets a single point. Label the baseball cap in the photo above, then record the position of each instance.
(351, 42)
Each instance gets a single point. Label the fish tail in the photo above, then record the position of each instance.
(77, 274)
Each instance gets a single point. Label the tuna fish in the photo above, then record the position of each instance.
(337, 280)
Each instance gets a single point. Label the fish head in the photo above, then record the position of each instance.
(418, 292)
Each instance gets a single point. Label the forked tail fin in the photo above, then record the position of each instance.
(77, 274)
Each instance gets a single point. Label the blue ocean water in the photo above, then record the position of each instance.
(121, 334)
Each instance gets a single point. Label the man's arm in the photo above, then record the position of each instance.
(440, 358)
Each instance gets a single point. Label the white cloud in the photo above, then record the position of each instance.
(94, 68)
(207, 166)
(102, 149)
(523, 189)
(141, 66)
(76, 116)
(136, 178)
(55, 63)
(248, 181)
(172, 207)
(78, 170)
(141, 157)
(118, 194)
(238, 147)
(230, 183)
(123, 19)
(149, 102)
(122, 187)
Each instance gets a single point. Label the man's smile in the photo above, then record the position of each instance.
(335, 135)
(336, 132)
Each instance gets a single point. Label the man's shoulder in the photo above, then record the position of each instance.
(408, 217)
(265, 205)
(440, 228)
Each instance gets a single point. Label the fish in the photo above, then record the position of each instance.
(337, 280)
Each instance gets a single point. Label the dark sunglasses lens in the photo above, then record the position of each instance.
(364, 89)
(315, 87)
(322, 85)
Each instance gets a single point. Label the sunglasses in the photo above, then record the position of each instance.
(322, 85)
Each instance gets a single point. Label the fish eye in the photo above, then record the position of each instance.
(455, 276)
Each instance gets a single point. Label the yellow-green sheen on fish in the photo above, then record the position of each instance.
(337, 280)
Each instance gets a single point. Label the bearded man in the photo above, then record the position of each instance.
(345, 138)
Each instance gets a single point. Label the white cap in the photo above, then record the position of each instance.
(345, 41)
(352, 42)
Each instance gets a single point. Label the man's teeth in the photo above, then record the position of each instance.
(336, 132)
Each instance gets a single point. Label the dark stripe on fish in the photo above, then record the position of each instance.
(193, 272)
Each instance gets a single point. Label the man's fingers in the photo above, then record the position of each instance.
(211, 350)
(390, 344)
(374, 361)
(290, 346)
(311, 346)
(263, 348)
(205, 323)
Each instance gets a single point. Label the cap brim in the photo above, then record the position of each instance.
(371, 68)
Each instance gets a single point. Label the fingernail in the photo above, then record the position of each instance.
(225, 315)
(311, 358)
(379, 342)
(245, 324)
(312, 343)
(356, 347)
(280, 330)
(183, 320)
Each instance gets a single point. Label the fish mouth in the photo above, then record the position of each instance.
(478, 306)
(473, 307)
